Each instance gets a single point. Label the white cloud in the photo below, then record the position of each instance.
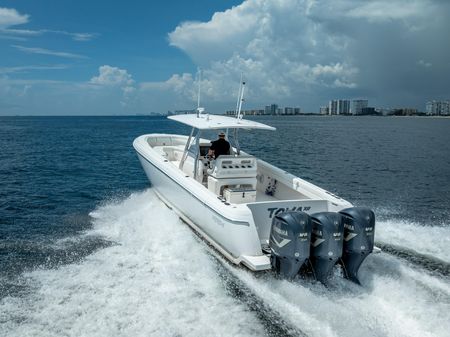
(294, 51)
(44, 97)
(21, 32)
(43, 51)
(222, 34)
(113, 77)
(177, 93)
(384, 10)
(424, 64)
(25, 69)
(10, 17)
(82, 36)
(26, 33)
(281, 51)
(112, 91)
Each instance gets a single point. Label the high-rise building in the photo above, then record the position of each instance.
(288, 111)
(358, 105)
(343, 107)
(274, 109)
(439, 108)
(339, 107)
(324, 110)
(333, 107)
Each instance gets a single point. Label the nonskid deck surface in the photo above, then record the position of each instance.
(261, 196)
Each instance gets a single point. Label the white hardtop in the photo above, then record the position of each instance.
(214, 122)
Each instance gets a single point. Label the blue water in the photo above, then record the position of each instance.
(77, 217)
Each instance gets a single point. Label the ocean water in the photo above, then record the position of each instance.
(87, 249)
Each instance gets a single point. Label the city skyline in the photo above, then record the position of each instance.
(347, 107)
(85, 58)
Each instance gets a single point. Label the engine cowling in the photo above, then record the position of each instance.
(359, 230)
(326, 243)
(290, 237)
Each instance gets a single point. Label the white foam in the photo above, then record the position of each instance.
(395, 300)
(157, 281)
(430, 240)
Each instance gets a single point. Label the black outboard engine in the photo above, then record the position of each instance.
(359, 230)
(290, 237)
(326, 243)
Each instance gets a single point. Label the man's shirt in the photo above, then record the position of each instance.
(220, 146)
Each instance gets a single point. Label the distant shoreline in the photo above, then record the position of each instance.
(279, 116)
(345, 116)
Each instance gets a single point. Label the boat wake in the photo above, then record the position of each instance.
(158, 278)
(425, 261)
(395, 300)
(431, 240)
(155, 280)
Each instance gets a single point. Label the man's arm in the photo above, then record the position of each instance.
(212, 148)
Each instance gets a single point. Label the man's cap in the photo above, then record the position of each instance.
(222, 134)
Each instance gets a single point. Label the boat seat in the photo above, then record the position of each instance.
(218, 185)
(229, 166)
(188, 168)
(230, 171)
(173, 153)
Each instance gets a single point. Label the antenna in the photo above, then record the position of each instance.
(238, 95)
(240, 98)
(199, 79)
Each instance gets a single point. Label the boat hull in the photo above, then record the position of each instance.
(238, 231)
(236, 239)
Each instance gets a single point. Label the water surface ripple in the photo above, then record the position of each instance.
(86, 248)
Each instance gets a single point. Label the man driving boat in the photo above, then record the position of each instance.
(219, 146)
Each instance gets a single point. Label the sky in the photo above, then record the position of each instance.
(137, 57)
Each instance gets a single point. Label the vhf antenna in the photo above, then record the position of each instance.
(199, 79)
(240, 99)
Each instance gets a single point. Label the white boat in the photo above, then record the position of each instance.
(243, 205)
